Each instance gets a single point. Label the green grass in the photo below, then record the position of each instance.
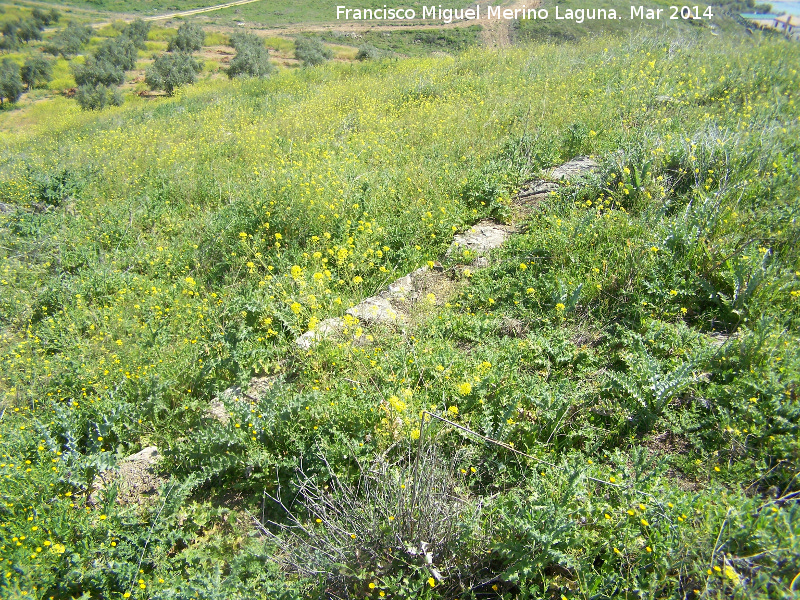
(639, 337)
(561, 30)
(279, 44)
(266, 12)
(413, 42)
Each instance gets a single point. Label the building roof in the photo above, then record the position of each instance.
(789, 20)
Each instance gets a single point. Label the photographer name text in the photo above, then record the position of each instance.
(477, 13)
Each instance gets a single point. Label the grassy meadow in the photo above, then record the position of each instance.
(267, 13)
(608, 410)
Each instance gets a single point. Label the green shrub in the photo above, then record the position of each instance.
(252, 57)
(45, 18)
(22, 30)
(189, 39)
(11, 85)
(8, 42)
(368, 52)
(137, 31)
(119, 51)
(69, 40)
(29, 30)
(96, 72)
(172, 70)
(311, 51)
(98, 96)
(37, 70)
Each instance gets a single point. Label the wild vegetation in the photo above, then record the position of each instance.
(607, 409)
(420, 42)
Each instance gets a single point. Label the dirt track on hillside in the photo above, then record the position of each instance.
(496, 32)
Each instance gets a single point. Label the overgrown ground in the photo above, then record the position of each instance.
(638, 343)
(268, 13)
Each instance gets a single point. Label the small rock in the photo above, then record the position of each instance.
(480, 238)
(402, 289)
(536, 190)
(136, 477)
(512, 327)
(217, 411)
(717, 338)
(324, 330)
(576, 167)
(375, 310)
(258, 387)
(405, 289)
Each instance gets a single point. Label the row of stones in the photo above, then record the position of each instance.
(136, 473)
(390, 306)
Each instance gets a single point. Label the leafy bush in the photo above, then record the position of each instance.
(37, 70)
(69, 40)
(119, 51)
(252, 57)
(311, 51)
(45, 18)
(137, 32)
(8, 42)
(97, 96)
(11, 86)
(189, 39)
(23, 30)
(368, 52)
(98, 72)
(172, 70)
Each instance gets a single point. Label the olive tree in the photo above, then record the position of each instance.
(36, 70)
(189, 39)
(97, 97)
(172, 70)
(311, 51)
(10, 81)
(252, 57)
(69, 40)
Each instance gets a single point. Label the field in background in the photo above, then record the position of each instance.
(267, 13)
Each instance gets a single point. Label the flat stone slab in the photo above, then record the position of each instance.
(481, 238)
(405, 289)
(576, 167)
(325, 329)
(375, 309)
(136, 476)
(384, 308)
(217, 411)
(536, 190)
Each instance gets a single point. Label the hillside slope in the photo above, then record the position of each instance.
(637, 341)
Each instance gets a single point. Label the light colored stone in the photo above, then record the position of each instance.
(136, 478)
(578, 166)
(258, 387)
(536, 190)
(325, 329)
(375, 310)
(402, 289)
(217, 411)
(480, 238)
